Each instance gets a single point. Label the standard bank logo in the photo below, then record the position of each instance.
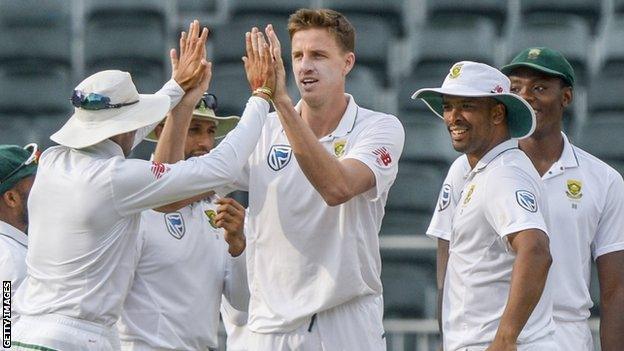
(175, 224)
(279, 156)
(445, 197)
(526, 200)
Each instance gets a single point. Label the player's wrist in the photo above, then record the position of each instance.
(237, 245)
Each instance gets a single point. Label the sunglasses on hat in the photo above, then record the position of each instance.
(208, 101)
(95, 101)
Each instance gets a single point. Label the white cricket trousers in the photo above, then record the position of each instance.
(573, 336)
(355, 325)
(62, 333)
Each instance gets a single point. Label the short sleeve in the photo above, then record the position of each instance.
(442, 220)
(514, 201)
(610, 232)
(380, 148)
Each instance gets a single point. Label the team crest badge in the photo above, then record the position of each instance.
(175, 224)
(339, 147)
(534, 53)
(469, 194)
(456, 70)
(445, 197)
(211, 214)
(574, 189)
(279, 156)
(526, 200)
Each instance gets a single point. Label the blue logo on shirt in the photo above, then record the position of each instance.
(279, 156)
(175, 224)
(526, 200)
(445, 197)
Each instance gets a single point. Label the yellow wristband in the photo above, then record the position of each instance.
(264, 90)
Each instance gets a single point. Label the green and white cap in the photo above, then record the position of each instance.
(473, 79)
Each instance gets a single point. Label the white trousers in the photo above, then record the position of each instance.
(355, 325)
(56, 332)
(573, 336)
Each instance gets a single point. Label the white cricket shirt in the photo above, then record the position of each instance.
(85, 207)
(183, 269)
(502, 195)
(586, 212)
(586, 202)
(13, 247)
(304, 256)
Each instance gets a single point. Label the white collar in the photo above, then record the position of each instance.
(10, 231)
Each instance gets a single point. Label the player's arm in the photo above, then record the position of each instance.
(611, 277)
(528, 279)
(337, 181)
(441, 263)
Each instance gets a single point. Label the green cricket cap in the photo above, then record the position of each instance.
(13, 157)
(545, 60)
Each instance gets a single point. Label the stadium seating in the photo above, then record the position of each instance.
(230, 86)
(36, 31)
(409, 289)
(590, 10)
(605, 94)
(440, 11)
(427, 140)
(363, 85)
(372, 43)
(567, 33)
(602, 137)
(437, 46)
(392, 12)
(612, 55)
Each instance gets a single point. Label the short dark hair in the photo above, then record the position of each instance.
(335, 22)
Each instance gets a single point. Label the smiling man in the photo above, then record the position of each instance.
(493, 250)
(318, 182)
(586, 198)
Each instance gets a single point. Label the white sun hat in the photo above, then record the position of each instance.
(107, 104)
(205, 109)
(473, 79)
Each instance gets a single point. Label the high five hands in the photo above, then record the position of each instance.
(263, 63)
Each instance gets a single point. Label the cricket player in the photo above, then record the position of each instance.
(86, 204)
(318, 182)
(586, 201)
(17, 172)
(187, 259)
(497, 243)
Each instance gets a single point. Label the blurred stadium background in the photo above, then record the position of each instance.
(48, 46)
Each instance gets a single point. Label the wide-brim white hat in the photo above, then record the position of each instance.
(89, 127)
(224, 123)
(473, 79)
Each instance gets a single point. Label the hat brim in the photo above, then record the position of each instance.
(520, 115)
(509, 68)
(79, 133)
(224, 125)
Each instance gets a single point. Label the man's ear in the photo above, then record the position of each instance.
(498, 113)
(349, 62)
(11, 198)
(567, 96)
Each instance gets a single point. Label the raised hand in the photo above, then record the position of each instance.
(280, 71)
(231, 217)
(189, 69)
(259, 63)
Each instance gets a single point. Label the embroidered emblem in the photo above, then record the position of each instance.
(175, 224)
(526, 200)
(574, 189)
(497, 89)
(158, 169)
(279, 156)
(211, 214)
(445, 197)
(339, 147)
(469, 194)
(534, 53)
(456, 70)
(383, 156)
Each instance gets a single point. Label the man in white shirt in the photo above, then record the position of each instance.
(85, 205)
(17, 173)
(318, 181)
(188, 259)
(586, 201)
(498, 257)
